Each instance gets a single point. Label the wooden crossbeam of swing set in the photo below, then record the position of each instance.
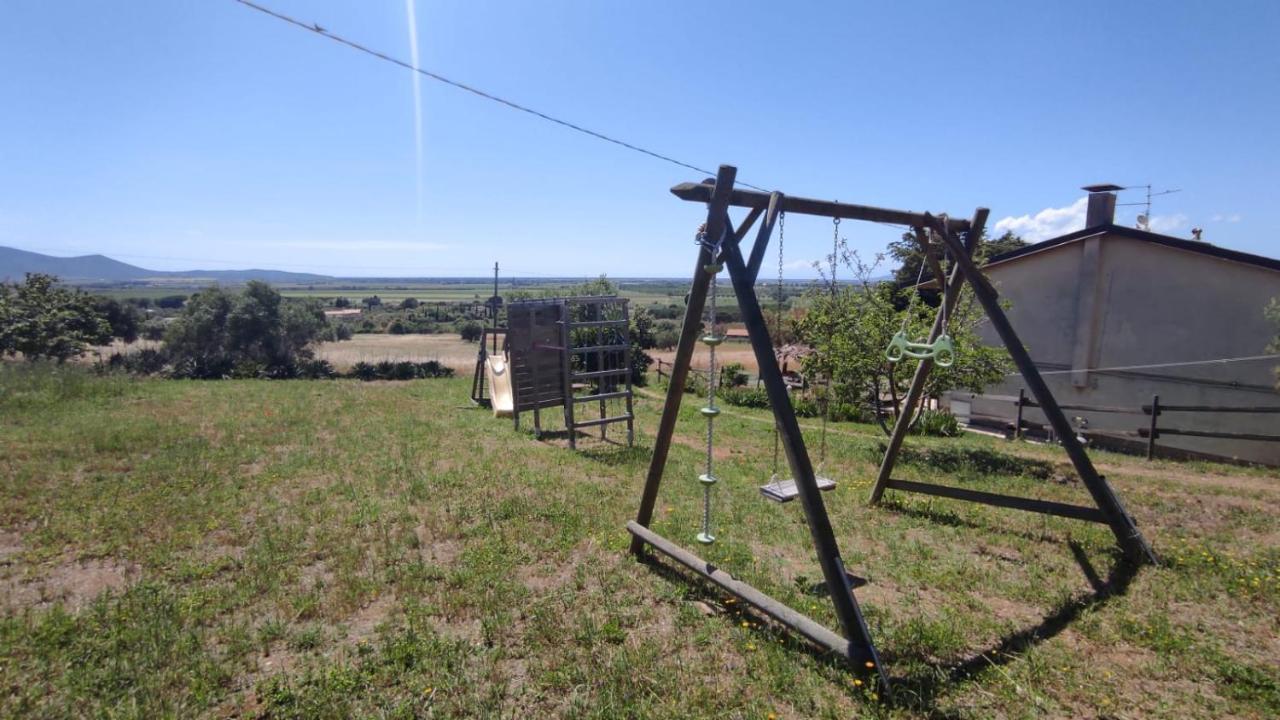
(702, 192)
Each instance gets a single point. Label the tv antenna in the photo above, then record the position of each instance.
(1144, 218)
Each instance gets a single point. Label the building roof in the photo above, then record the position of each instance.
(1194, 246)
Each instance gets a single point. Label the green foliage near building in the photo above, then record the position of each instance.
(906, 251)
(41, 320)
(848, 329)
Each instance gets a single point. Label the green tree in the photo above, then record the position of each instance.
(470, 331)
(848, 331)
(906, 251)
(42, 320)
(124, 318)
(642, 339)
(253, 333)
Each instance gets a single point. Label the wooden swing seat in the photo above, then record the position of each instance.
(786, 491)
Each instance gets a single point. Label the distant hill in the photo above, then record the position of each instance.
(15, 263)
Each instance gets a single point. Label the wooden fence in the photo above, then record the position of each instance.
(1155, 411)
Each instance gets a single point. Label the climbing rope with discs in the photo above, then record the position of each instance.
(711, 340)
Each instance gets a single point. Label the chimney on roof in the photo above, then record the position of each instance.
(1102, 204)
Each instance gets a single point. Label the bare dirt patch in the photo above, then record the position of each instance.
(364, 622)
(719, 452)
(437, 551)
(73, 582)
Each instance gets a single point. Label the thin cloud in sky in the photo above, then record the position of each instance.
(362, 245)
(1048, 223)
(1226, 218)
(1167, 224)
(1052, 222)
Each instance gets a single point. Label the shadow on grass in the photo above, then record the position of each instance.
(920, 691)
(606, 451)
(701, 590)
(977, 461)
(950, 518)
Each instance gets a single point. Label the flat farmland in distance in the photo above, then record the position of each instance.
(449, 349)
(642, 293)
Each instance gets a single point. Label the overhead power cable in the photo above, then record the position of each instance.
(1216, 361)
(323, 32)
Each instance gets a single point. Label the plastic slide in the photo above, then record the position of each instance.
(498, 373)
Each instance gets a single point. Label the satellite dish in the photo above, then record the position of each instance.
(1142, 222)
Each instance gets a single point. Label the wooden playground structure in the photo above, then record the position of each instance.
(948, 246)
(565, 352)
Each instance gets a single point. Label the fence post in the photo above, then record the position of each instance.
(1153, 431)
(1022, 400)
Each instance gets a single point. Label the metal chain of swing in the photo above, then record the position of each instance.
(777, 329)
(826, 395)
(926, 239)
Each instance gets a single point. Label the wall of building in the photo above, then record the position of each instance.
(1113, 301)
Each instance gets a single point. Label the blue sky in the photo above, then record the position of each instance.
(204, 134)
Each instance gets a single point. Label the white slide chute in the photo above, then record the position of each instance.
(498, 373)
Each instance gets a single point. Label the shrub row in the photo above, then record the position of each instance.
(150, 361)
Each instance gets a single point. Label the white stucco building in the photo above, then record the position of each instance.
(1092, 304)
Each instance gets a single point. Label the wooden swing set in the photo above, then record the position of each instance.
(719, 247)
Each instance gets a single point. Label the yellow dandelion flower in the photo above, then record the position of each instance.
(746, 624)
(857, 682)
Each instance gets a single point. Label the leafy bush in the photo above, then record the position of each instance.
(153, 329)
(733, 375)
(363, 371)
(745, 397)
(470, 331)
(147, 361)
(937, 423)
(664, 339)
(402, 370)
(316, 369)
(808, 406)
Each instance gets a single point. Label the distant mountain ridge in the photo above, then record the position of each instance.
(15, 264)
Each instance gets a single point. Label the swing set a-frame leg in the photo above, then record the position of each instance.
(950, 296)
(1109, 509)
(856, 645)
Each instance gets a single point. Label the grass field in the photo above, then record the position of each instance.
(340, 549)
